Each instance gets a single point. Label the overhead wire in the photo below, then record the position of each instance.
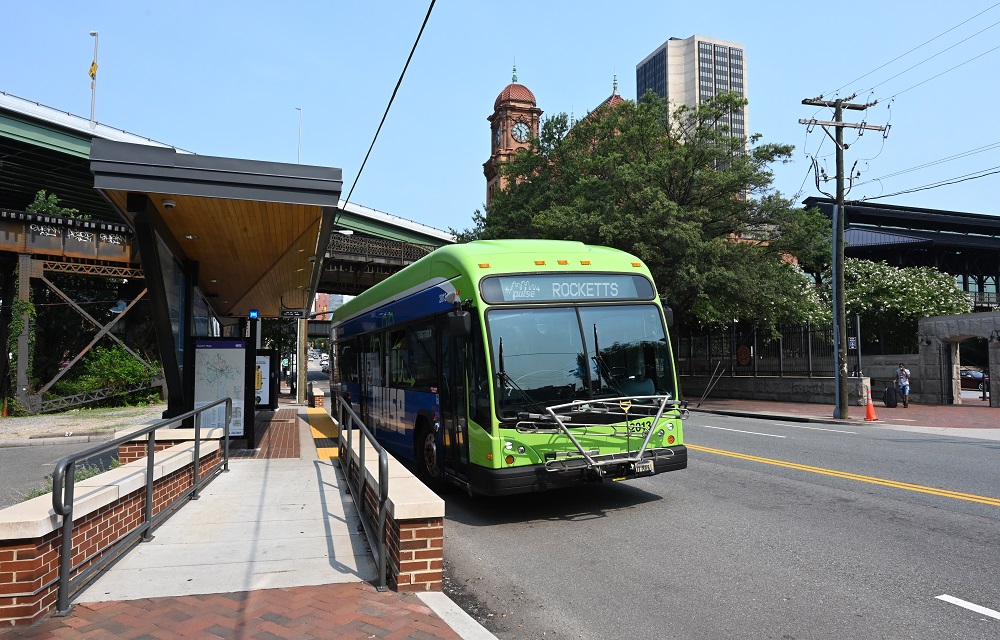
(942, 183)
(391, 98)
(898, 93)
(928, 59)
(956, 156)
(902, 55)
(950, 181)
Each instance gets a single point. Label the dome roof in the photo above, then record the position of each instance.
(517, 93)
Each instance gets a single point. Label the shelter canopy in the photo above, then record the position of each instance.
(253, 228)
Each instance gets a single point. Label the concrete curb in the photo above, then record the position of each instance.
(454, 616)
(42, 441)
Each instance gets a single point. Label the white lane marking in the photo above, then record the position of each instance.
(968, 605)
(799, 426)
(753, 433)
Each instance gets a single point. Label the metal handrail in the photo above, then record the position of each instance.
(63, 479)
(359, 490)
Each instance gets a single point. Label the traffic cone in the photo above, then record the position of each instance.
(870, 409)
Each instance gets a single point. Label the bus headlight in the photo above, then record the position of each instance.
(521, 449)
(509, 446)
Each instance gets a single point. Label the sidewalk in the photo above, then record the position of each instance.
(270, 550)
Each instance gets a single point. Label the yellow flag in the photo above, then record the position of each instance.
(93, 70)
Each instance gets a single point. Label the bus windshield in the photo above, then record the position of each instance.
(549, 356)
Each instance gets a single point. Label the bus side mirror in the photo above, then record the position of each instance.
(460, 323)
(668, 313)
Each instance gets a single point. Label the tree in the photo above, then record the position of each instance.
(279, 334)
(48, 204)
(673, 188)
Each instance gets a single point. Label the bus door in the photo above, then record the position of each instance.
(452, 393)
(372, 383)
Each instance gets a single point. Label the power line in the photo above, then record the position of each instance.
(391, 98)
(956, 156)
(914, 49)
(942, 183)
(936, 55)
(944, 72)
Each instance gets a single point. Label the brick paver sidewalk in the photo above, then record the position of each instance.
(338, 611)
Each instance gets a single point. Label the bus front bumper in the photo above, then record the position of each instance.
(567, 473)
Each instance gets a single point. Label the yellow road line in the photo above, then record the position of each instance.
(852, 476)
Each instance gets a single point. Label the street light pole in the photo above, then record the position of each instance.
(298, 157)
(93, 80)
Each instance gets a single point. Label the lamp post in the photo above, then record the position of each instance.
(93, 79)
(298, 157)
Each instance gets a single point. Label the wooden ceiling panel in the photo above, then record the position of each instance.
(250, 254)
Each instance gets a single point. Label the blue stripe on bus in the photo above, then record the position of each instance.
(393, 413)
(418, 305)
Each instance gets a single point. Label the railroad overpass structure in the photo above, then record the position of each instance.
(216, 240)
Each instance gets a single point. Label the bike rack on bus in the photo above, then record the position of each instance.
(573, 412)
(376, 540)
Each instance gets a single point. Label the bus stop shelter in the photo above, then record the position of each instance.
(222, 241)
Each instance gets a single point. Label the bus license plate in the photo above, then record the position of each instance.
(644, 466)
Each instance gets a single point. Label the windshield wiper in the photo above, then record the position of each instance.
(505, 378)
(602, 365)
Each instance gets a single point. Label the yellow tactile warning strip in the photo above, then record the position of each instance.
(324, 432)
(851, 476)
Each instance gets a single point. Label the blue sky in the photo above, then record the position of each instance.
(225, 78)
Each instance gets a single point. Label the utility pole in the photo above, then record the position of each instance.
(839, 308)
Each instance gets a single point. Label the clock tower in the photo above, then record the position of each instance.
(514, 123)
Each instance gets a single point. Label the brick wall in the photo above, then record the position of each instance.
(415, 547)
(132, 451)
(29, 568)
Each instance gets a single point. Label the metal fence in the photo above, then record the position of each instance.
(63, 498)
(796, 351)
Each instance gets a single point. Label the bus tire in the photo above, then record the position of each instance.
(428, 456)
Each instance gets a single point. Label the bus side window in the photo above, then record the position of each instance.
(421, 356)
(347, 367)
(479, 389)
(399, 367)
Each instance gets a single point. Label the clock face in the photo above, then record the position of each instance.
(496, 137)
(521, 131)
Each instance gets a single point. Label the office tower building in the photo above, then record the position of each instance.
(689, 71)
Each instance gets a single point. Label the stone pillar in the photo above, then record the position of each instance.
(993, 349)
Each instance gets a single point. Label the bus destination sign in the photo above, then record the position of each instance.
(565, 287)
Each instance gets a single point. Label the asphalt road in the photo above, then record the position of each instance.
(746, 547)
(25, 469)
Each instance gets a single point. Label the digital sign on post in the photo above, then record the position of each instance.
(559, 287)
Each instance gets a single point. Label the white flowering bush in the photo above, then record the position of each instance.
(882, 293)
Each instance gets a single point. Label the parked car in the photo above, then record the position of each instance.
(325, 368)
(972, 379)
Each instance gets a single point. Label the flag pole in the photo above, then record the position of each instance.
(93, 80)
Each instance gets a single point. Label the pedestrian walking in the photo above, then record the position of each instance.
(903, 383)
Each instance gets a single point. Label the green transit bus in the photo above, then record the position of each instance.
(510, 366)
